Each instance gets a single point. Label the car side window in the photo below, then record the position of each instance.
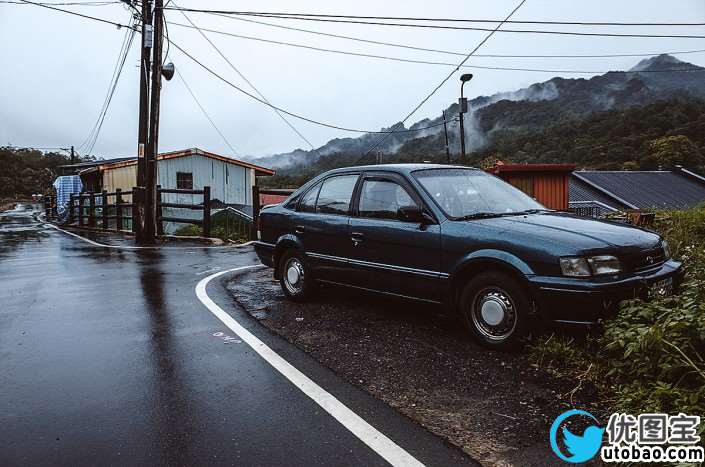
(336, 193)
(308, 201)
(380, 199)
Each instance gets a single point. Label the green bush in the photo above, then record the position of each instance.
(652, 352)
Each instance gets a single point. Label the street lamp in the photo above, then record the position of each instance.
(463, 103)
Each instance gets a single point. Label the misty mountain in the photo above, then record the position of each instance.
(535, 107)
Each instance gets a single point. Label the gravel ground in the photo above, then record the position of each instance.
(496, 406)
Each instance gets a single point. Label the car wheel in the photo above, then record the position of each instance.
(495, 308)
(294, 277)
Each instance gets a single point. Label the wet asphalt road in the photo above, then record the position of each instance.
(107, 357)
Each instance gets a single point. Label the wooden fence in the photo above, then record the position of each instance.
(104, 210)
(115, 210)
(205, 206)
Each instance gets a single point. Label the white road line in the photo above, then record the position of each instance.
(378, 442)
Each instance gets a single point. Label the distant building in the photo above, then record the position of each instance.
(547, 183)
(231, 180)
(601, 192)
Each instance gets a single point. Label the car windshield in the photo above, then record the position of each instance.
(468, 193)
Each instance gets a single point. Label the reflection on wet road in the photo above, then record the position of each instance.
(107, 357)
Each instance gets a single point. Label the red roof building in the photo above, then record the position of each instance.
(546, 183)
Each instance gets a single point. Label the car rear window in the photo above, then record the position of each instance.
(335, 194)
(308, 201)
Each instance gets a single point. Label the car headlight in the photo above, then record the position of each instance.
(575, 267)
(666, 249)
(592, 265)
(604, 264)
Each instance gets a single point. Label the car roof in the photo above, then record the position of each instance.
(397, 168)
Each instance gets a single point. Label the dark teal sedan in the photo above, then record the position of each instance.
(463, 238)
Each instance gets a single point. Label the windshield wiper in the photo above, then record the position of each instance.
(534, 211)
(478, 215)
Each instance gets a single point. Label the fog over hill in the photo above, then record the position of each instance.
(537, 106)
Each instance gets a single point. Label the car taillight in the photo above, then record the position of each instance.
(258, 225)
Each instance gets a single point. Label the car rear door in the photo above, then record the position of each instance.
(322, 225)
(388, 254)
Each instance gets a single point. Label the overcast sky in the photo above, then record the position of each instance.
(55, 68)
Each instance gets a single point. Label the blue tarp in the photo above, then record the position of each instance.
(65, 186)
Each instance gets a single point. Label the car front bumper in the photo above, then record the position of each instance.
(585, 301)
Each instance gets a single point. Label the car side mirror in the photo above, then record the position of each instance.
(413, 214)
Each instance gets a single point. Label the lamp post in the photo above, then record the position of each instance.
(463, 103)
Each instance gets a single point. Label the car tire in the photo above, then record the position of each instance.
(294, 276)
(495, 307)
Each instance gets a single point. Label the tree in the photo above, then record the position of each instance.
(669, 151)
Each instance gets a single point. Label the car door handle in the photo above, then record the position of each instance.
(357, 238)
(299, 229)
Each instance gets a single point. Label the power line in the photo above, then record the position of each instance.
(406, 60)
(89, 138)
(444, 80)
(94, 18)
(448, 52)
(462, 28)
(205, 113)
(244, 78)
(122, 57)
(20, 2)
(458, 20)
(300, 117)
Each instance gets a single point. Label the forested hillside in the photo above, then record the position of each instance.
(609, 121)
(661, 134)
(24, 171)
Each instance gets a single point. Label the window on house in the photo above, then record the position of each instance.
(184, 180)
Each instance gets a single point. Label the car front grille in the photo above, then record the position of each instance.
(646, 259)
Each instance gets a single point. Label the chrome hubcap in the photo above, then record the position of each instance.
(494, 314)
(294, 275)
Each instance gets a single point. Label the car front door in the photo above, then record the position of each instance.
(321, 223)
(388, 254)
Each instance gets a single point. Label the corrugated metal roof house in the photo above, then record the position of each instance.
(623, 190)
(231, 180)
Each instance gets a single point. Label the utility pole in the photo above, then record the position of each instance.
(73, 156)
(445, 129)
(150, 192)
(463, 103)
(145, 64)
(138, 198)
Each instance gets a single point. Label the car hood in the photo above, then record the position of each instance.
(576, 232)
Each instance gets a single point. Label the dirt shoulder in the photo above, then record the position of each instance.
(496, 406)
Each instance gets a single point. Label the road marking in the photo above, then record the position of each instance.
(128, 247)
(378, 442)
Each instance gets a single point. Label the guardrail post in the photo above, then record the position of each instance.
(54, 207)
(255, 212)
(160, 223)
(206, 211)
(104, 212)
(91, 209)
(81, 208)
(70, 209)
(118, 209)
